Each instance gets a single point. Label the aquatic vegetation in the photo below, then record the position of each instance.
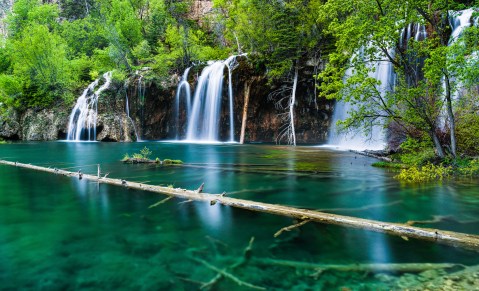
(389, 165)
(172, 162)
(143, 157)
(428, 172)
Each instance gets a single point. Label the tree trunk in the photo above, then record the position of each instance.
(450, 113)
(247, 89)
(450, 238)
(437, 144)
(291, 105)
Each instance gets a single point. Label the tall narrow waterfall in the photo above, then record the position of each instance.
(127, 111)
(459, 20)
(383, 72)
(82, 124)
(183, 87)
(204, 119)
(357, 140)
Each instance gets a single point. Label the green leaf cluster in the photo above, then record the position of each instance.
(53, 51)
(426, 173)
(429, 72)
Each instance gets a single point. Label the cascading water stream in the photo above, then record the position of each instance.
(183, 86)
(83, 118)
(231, 64)
(204, 119)
(384, 73)
(127, 110)
(459, 20)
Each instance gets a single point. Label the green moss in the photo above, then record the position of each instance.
(172, 162)
(126, 157)
(306, 166)
(389, 165)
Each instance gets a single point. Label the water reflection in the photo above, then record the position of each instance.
(213, 217)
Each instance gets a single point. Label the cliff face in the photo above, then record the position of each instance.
(152, 117)
(156, 118)
(5, 7)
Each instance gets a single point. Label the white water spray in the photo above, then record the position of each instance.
(127, 110)
(83, 118)
(356, 140)
(204, 119)
(459, 20)
(183, 87)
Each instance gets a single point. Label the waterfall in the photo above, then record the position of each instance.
(82, 123)
(127, 110)
(204, 118)
(383, 72)
(183, 86)
(459, 20)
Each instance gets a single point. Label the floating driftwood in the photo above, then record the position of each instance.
(148, 161)
(140, 161)
(378, 267)
(380, 155)
(451, 238)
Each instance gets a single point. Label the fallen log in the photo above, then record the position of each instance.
(372, 154)
(377, 267)
(140, 161)
(463, 240)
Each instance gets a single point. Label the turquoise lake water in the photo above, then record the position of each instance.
(59, 233)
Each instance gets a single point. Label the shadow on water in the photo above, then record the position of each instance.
(64, 233)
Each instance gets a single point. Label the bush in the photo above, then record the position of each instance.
(428, 172)
(467, 134)
(416, 152)
(389, 165)
(468, 167)
(145, 153)
(172, 162)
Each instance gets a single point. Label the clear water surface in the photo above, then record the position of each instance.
(59, 233)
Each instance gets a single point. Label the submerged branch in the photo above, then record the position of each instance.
(291, 227)
(456, 239)
(227, 275)
(378, 267)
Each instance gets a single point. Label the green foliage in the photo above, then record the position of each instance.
(145, 153)
(467, 130)
(83, 36)
(10, 90)
(278, 33)
(468, 167)
(370, 30)
(416, 152)
(172, 162)
(428, 172)
(39, 59)
(389, 165)
(126, 157)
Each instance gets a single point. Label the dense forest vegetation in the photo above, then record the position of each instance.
(53, 50)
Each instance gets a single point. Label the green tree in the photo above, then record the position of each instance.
(39, 59)
(375, 28)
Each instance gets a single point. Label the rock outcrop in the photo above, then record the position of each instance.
(46, 124)
(151, 108)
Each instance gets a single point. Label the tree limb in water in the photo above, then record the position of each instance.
(246, 256)
(456, 239)
(227, 274)
(291, 227)
(400, 267)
